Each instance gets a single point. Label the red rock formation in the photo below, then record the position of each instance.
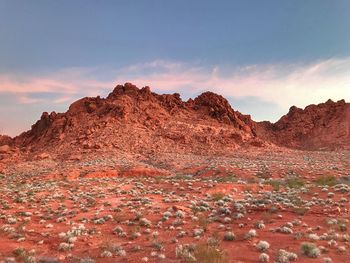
(139, 121)
(134, 120)
(322, 126)
(5, 140)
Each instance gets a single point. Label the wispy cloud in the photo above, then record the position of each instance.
(64, 85)
(282, 84)
(277, 85)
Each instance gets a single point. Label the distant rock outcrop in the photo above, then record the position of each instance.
(317, 127)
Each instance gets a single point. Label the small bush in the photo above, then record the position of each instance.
(263, 257)
(295, 183)
(276, 185)
(251, 233)
(229, 236)
(203, 253)
(262, 246)
(300, 210)
(310, 250)
(217, 196)
(326, 180)
(207, 254)
(203, 222)
(214, 240)
(284, 256)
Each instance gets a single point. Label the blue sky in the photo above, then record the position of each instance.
(264, 56)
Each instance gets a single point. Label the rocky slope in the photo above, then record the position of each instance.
(138, 121)
(322, 126)
(5, 140)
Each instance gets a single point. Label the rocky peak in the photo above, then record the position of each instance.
(131, 90)
(219, 108)
(216, 106)
(326, 125)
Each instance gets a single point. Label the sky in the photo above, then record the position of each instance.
(263, 56)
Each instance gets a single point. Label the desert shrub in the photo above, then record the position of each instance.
(300, 210)
(108, 245)
(145, 222)
(343, 227)
(203, 222)
(267, 216)
(158, 244)
(310, 250)
(229, 236)
(276, 185)
(181, 177)
(19, 252)
(263, 257)
(203, 253)
(284, 256)
(251, 233)
(226, 179)
(24, 256)
(214, 240)
(324, 180)
(185, 252)
(259, 225)
(262, 246)
(217, 196)
(264, 173)
(106, 254)
(208, 254)
(295, 183)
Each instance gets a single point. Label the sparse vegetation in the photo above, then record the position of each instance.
(295, 183)
(276, 185)
(326, 180)
(229, 236)
(204, 253)
(217, 196)
(310, 250)
(141, 217)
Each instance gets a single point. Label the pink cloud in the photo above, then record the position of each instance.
(283, 84)
(279, 84)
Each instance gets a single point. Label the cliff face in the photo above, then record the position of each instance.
(322, 126)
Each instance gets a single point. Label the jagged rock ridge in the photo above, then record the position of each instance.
(322, 126)
(137, 120)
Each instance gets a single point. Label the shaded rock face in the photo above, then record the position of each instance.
(137, 120)
(219, 108)
(322, 126)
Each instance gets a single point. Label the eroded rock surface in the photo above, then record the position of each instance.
(322, 126)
